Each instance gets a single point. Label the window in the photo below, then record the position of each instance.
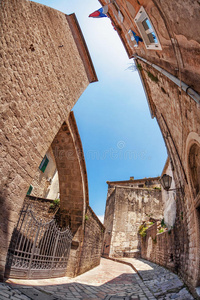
(119, 16)
(29, 190)
(44, 164)
(146, 30)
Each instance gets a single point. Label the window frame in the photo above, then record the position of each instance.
(139, 19)
(44, 164)
(29, 190)
(120, 15)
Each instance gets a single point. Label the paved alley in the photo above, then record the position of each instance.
(109, 281)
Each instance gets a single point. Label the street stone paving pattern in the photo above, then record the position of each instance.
(109, 281)
(162, 283)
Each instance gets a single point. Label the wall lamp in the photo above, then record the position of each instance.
(166, 181)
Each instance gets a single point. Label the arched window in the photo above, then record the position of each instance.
(194, 165)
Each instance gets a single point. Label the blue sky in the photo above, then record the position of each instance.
(118, 135)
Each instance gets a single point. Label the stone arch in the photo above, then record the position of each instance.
(67, 153)
(194, 168)
(71, 168)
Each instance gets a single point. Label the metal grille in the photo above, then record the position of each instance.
(38, 250)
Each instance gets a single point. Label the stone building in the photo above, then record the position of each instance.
(45, 67)
(45, 183)
(169, 198)
(159, 245)
(168, 61)
(128, 204)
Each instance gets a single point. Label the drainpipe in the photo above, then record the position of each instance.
(186, 88)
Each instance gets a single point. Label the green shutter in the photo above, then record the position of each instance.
(44, 164)
(29, 190)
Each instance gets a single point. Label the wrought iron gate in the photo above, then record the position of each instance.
(38, 250)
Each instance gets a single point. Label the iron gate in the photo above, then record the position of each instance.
(38, 250)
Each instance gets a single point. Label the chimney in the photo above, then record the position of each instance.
(132, 178)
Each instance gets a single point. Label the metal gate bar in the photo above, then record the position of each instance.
(38, 250)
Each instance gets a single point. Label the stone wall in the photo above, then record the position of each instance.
(179, 119)
(132, 206)
(108, 221)
(137, 183)
(159, 247)
(126, 208)
(45, 67)
(93, 240)
(41, 208)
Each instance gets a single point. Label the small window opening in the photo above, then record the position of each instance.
(44, 164)
(29, 190)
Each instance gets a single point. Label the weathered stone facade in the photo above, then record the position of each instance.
(45, 67)
(127, 207)
(171, 79)
(159, 247)
(93, 240)
(179, 119)
(41, 207)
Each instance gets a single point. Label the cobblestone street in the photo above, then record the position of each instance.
(110, 281)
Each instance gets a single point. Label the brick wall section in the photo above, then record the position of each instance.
(108, 221)
(73, 192)
(159, 248)
(40, 83)
(70, 162)
(41, 208)
(93, 240)
(70, 180)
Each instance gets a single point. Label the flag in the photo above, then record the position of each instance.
(136, 37)
(100, 13)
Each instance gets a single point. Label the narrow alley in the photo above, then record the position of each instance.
(109, 281)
